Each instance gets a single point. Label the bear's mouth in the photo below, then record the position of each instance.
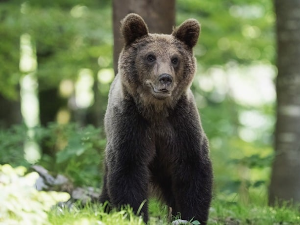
(160, 92)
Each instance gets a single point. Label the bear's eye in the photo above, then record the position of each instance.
(151, 58)
(174, 61)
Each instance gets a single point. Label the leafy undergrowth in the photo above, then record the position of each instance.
(22, 204)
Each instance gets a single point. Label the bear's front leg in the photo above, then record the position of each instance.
(193, 186)
(128, 153)
(192, 175)
(128, 185)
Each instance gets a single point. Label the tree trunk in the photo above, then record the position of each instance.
(50, 102)
(10, 112)
(159, 16)
(285, 179)
(95, 113)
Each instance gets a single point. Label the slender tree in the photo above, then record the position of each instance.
(159, 16)
(10, 106)
(285, 179)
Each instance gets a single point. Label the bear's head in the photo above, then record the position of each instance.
(157, 69)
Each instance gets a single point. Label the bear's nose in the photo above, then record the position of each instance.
(165, 79)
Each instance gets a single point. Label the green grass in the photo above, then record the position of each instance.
(221, 212)
(251, 214)
(93, 214)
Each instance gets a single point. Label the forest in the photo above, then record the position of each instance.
(57, 61)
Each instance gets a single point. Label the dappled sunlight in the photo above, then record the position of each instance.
(22, 203)
(79, 11)
(254, 125)
(84, 89)
(66, 88)
(63, 116)
(28, 84)
(253, 85)
(105, 76)
(251, 31)
(29, 104)
(247, 85)
(32, 153)
(247, 11)
(29, 100)
(28, 61)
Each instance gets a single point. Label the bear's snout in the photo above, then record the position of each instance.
(165, 80)
(161, 87)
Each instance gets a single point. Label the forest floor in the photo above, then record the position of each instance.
(220, 213)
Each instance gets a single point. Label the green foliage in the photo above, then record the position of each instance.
(12, 144)
(21, 203)
(67, 37)
(256, 213)
(157, 209)
(70, 35)
(239, 164)
(76, 152)
(9, 50)
(221, 212)
(240, 31)
(68, 4)
(94, 214)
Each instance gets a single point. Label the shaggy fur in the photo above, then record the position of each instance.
(155, 141)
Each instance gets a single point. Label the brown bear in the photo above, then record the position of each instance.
(155, 141)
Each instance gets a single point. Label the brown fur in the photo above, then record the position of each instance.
(178, 44)
(154, 134)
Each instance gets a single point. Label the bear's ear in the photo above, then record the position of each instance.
(188, 32)
(132, 27)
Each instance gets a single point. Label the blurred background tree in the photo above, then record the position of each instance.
(285, 181)
(159, 16)
(10, 108)
(58, 59)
